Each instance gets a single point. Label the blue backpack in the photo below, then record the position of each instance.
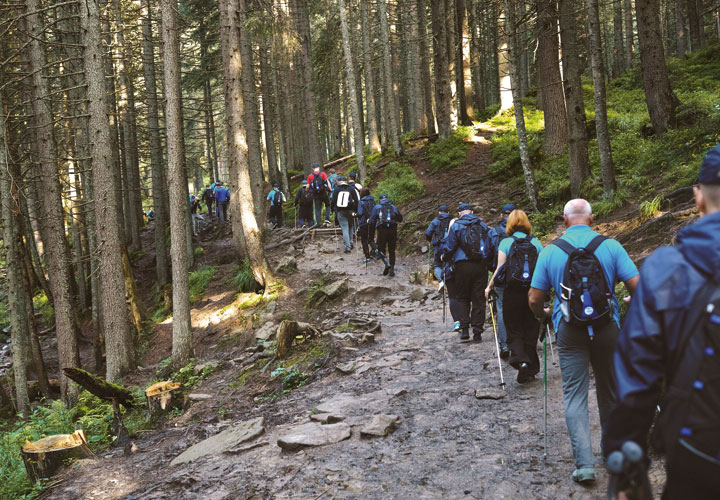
(475, 242)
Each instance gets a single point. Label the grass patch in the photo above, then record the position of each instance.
(451, 152)
(400, 183)
(199, 280)
(242, 277)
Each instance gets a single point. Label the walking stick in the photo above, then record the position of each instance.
(545, 395)
(294, 217)
(497, 344)
(552, 351)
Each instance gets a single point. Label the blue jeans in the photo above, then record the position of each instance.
(220, 208)
(318, 203)
(501, 331)
(577, 352)
(344, 218)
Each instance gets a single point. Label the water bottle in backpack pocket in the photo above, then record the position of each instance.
(520, 264)
(585, 296)
(474, 241)
(387, 215)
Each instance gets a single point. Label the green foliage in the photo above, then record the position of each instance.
(448, 153)
(400, 183)
(189, 376)
(315, 292)
(242, 277)
(42, 304)
(4, 316)
(649, 208)
(199, 281)
(292, 378)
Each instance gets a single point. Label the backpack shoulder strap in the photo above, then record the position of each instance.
(564, 246)
(595, 243)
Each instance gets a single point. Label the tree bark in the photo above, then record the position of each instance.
(443, 93)
(514, 61)
(114, 319)
(661, 100)
(371, 113)
(156, 154)
(550, 79)
(425, 50)
(268, 107)
(391, 110)
(618, 39)
(462, 65)
(681, 35)
(573, 68)
(695, 22)
(629, 37)
(57, 252)
(182, 332)
(598, 73)
(352, 86)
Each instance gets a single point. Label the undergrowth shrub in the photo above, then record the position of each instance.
(199, 281)
(448, 153)
(400, 183)
(243, 279)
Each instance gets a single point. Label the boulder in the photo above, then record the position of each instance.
(223, 442)
(314, 434)
(371, 293)
(267, 332)
(422, 275)
(418, 295)
(380, 426)
(335, 289)
(287, 265)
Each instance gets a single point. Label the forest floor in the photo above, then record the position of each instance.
(447, 442)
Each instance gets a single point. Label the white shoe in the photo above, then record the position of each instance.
(441, 285)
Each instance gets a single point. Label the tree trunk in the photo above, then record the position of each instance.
(462, 65)
(372, 126)
(598, 72)
(425, 50)
(391, 109)
(182, 332)
(156, 155)
(681, 34)
(415, 92)
(661, 100)
(57, 252)
(443, 93)
(573, 68)
(550, 79)
(114, 320)
(12, 239)
(618, 39)
(245, 226)
(268, 106)
(514, 61)
(694, 21)
(352, 86)
(627, 9)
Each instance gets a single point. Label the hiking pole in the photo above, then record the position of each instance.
(443, 299)
(545, 392)
(294, 217)
(497, 344)
(552, 351)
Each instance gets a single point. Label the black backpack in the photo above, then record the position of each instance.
(367, 206)
(387, 215)
(318, 186)
(277, 199)
(689, 411)
(585, 297)
(474, 241)
(441, 230)
(347, 198)
(520, 265)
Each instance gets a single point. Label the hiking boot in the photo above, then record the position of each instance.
(523, 375)
(456, 326)
(584, 475)
(441, 285)
(386, 270)
(366, 260)
(392, 271)
(464, 336)
(347, 250)
(504, 353)
(477, 337)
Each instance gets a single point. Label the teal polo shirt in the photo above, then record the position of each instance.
(507, 243)
(613, 258)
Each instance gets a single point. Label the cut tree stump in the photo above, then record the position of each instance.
(44, 457)
(289, 331)
(159, 396)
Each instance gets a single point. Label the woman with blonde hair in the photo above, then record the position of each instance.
(517, 255)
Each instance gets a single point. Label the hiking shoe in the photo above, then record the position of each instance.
(584, 475)
(347, 250)
(392, 271)
(477, 337)
(366, 260)
(464, 336)
(456, 326)
(504, 353)
(441, 285)
(386, 270)
(523, 375)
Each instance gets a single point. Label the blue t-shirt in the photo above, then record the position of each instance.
(507, 243)
(613, 258)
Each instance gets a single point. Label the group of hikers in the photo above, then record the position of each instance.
(214, 194)
(666, 355)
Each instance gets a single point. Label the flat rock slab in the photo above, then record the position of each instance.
(372, 292)
(327, 418)
(380, 426)
(225, 441)
(313, 434)
(489, 393)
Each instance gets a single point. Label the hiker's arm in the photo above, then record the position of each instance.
(430, 231)
(536, 301)
(502, 257)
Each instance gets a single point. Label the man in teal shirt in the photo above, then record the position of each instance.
(577, 349)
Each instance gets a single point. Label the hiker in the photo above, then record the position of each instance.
(276, 199)
(320, 188)
(385, 218)
(304, 201)
(354, 184)
(517, 256)
(466, 252)
(151, 214)
(332, 179)
(497, 234)
(344, 205)
(435, 234)
(670, 344)
(208, 198)
(586, 320)
(222, 198)
(365, 207)
(194, 206)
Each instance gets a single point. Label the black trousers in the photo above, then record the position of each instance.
(364, 234)
(209, 206)
(276, 215)
(689, 476)
(387, 237)
(522, 328)
(466, 290)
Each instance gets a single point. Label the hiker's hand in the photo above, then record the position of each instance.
(627, 299)
(487, 292)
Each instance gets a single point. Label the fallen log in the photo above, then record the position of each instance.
(101, 388)
(338, 161)
(42, 458)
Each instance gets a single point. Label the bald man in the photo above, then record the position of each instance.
(579, 346)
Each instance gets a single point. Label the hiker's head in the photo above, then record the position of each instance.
(707, 192)
(443, 209)
(276, 185)
(332, 171)
(316, 168)
(383, 197)
(464, 209)
(577, 212)
(342, 179)
(304, 182)
(353, 176)
(518, 221)
(507, 209)
(365, 192)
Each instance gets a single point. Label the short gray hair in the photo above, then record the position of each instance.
(577, 207)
